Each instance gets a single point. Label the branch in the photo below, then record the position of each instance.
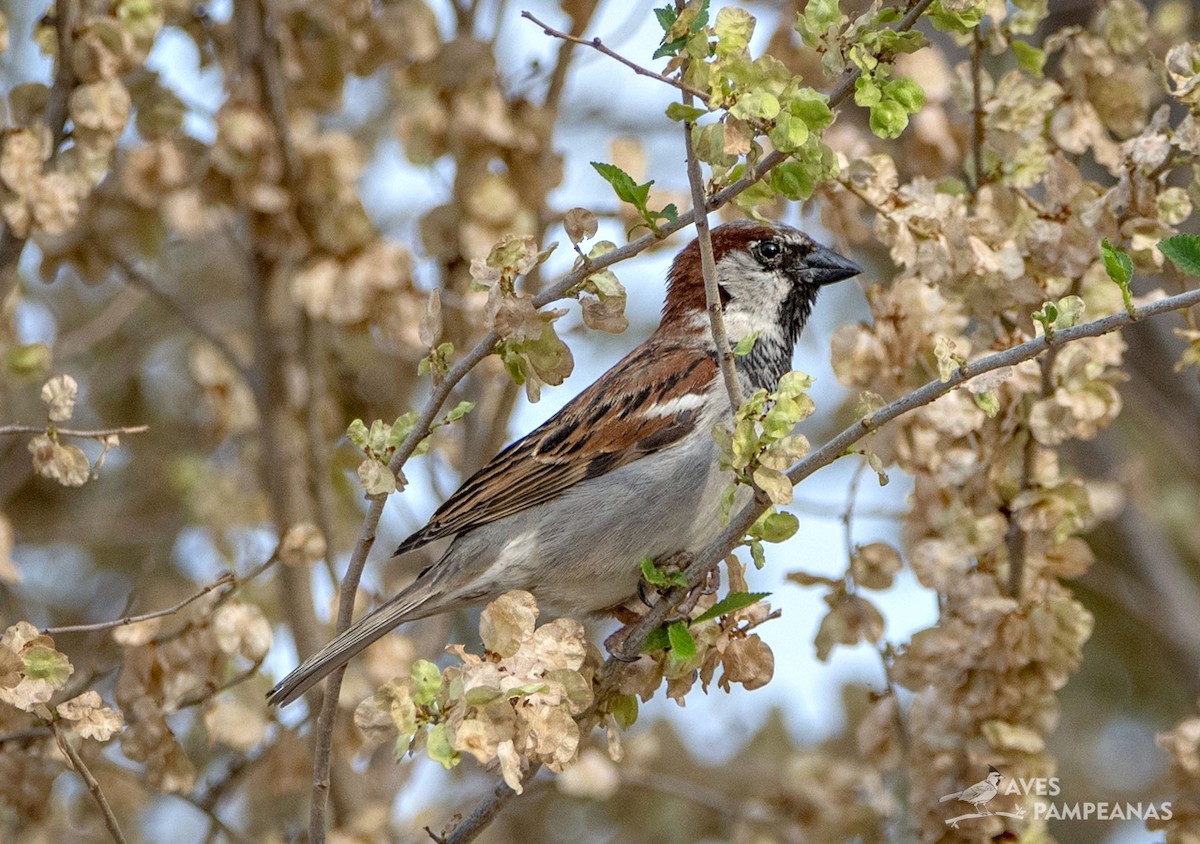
(597, 44)
(98, 434)
(66, 17)
(323, 745)
(635, 634)
(977, 111)
(224, 578)
(110, 820)
(484, 813)
(708, 268)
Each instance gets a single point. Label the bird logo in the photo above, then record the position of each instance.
(980, 793)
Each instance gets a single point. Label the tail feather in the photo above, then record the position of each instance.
(953, 796)
(404, 607)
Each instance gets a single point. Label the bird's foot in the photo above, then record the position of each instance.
(708, 586)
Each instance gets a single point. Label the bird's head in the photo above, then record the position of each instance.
(768, 276)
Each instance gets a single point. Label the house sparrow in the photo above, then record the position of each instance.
(980, 793)
(627, 469)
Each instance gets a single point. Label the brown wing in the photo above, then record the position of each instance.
(602, 428)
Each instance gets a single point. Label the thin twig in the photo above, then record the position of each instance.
(26, 735)
(977, 110)
(635, 634)
(97, 434)
(484, 813)
(323, 743)
(597, 44)
(226, 577)
(708, 268)
(110, 820)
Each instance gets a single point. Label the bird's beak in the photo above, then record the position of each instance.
(824, 266)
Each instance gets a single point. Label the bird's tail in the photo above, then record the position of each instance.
(409, 605)
(953, 796)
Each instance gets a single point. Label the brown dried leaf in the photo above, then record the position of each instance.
(66, 464)
(60, 393)
(580, 224)
(507, 623)
(242, 628)
(302, 545)
(874, 566)
(90, 718)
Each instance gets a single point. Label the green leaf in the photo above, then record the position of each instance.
(987, 402)
(888, 119)
(666, 16)
(906, 92)
(732, 602)
(816, 19)
(44, 663)
(756, 104)
(1119, 267)
(358, 433)
(656, 641)
(439, 748)
(867, 92)
(682, 643)
(1183, 250)
(626, 188)
(680, 112)
(1029, 58)
(460, 410)
(733, 28)
(655, 576)
(1117, 264)
(962, 21)
(777, 527)
(624, 710)
(793, 180)
(427, 682)
(746, 344)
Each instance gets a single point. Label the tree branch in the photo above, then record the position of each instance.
(708, 268)
(66, 17)
(98, 434)
(484, 813)
(708, 559)
(110, 820)
(226, 577)
(597, 44)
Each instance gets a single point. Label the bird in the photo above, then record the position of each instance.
(980, 793)
(626, 470)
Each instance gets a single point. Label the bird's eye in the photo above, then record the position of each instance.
(768, 251)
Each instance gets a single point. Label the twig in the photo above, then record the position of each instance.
(708, 268)
(226, 577)
(484, 813)
(323, 745)
(26, 735)
(110, 820)
(708, 559)
(98, 434)
(977, 110)
(66, 17)
(597, 44)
